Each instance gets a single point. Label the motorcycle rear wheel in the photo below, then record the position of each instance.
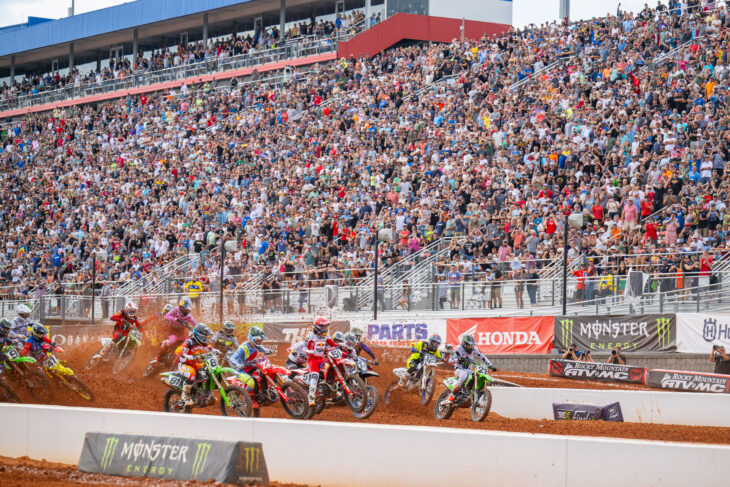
(172, 402)
(125, 358)
(241, 404)
(480, 408)
(297, 407)
(442, 410)
(92, 363)
(388, 396)
(37, 382)
(372, 403)
(78, 386)
(357, 400)
(7, 394)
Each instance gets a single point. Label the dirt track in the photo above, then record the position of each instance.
(25, 472)
(130, 391)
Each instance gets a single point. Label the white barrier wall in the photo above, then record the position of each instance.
(332, 454)
(690, 408)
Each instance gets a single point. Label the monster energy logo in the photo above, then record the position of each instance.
(253, 456)
(201, 458)
(664, 331)
(109, 449)
(566, 329)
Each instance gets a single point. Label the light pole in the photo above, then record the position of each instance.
(375, 276)
(565, 263)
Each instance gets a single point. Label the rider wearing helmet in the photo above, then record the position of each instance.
(243, 359)
(225, 340)
(178, 319)
(317, 342)
(123, 322)
(165, 309)
(419, 348)
(190, 352)
(20, 324)
(38, 343)
(6, 330)
(463, 356)
(297, 358)
(360, 346)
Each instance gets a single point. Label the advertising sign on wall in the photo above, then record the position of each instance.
(646, 333)
(689, 381)
(399, 333)
(697, 332)
(504, 335)
(571, 369)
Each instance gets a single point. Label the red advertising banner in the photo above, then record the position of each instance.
(529, 334)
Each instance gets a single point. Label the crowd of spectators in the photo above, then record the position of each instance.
(304, 175)
(217, 50)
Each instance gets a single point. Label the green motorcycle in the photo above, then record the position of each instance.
(21, 371)
(474, 393)
(211, 377)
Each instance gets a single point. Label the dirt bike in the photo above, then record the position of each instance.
(211, 377)
(21, 370)
(57, 369)
(168, 360)
(273, 384)
(474, 393)
(336, 378)
(123, 352)
(423, 378)
(365, 371)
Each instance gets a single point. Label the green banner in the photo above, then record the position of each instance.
(175, 458)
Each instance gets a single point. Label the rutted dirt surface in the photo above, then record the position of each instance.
(129, 391)
(25, 472)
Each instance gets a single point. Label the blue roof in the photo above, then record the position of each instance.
(124, 16)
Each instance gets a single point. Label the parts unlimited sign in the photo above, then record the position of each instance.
(648, 333)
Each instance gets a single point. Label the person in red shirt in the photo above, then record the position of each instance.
(705, 264)
(123, 322)
(651, 231)
(598, 212)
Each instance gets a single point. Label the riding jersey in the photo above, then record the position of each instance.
(37, 348)
(224, 342)
(123, 324)
(190, 352)
(19, 330)
(461, 359)
(243, 358)
(172, 319)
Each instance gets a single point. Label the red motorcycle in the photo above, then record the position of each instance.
(335, 379)
(272, 384)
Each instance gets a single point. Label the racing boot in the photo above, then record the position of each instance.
(452, 396)
(313, 390)
(101, 353)
(185, 396)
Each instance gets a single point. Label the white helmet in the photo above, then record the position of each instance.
(23, 310)
(130, 309)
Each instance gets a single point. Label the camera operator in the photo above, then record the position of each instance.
(616, 357)
(721, 359)
(573, 353)
(585, 356)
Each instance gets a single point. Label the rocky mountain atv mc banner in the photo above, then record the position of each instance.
(641, 333)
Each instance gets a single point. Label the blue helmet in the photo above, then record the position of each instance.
(256, 336)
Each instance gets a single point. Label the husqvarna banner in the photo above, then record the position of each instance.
(176, 458)
(697, 332)
(504, 335)
(646, 333)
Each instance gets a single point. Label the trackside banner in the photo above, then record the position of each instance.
(689, 381)
(399, 333)
(166, 457)
(645, 333)
(597, 371)
(588, 412)
(504, 335)
(697, 332)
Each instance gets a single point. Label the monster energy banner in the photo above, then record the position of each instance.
(645, 333)
(166, 457)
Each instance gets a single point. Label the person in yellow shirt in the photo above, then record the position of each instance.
(194, 287)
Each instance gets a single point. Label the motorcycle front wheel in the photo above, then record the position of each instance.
(372, 403)
(443, 410)
(480, 408)
(357, 398)
(240, 403)
(297, 407)
(427, 392)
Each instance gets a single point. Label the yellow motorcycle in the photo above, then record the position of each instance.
(58, 370)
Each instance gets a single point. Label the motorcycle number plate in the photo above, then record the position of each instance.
(12, 354)
(136, 335)
(430, 359)
(176, 382)
(213, 362)
(50, 362)
(336, 354)
(265, 364)
(307, 377)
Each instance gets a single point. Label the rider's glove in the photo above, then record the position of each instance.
(493, 368)
(376, 363)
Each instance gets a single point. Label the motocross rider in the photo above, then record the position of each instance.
(38, 343)
(20, 324)
(297, 358)
(225, 340)
(243, 359)
(360, 346)
(463, 356)
(421, 347)
(189, 353)
(123, 322)
(178, 320)
(317, 342)
(5, 339)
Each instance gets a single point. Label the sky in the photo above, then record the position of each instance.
(524, 11)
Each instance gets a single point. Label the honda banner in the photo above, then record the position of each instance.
(646, 333)
(689, 381)
(571, 369)
(504, 335)
(399, 333)
(697, 332)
